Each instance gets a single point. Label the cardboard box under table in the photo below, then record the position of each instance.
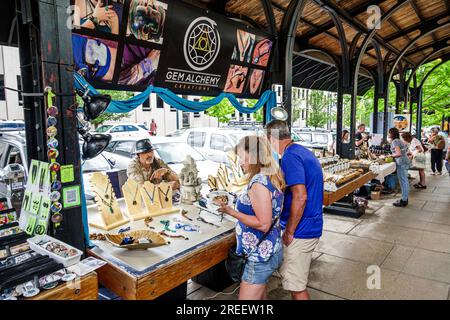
(148, 274)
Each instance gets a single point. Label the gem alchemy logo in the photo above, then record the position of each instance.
(201, 43)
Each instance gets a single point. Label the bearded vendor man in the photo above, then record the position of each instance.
(146, 167)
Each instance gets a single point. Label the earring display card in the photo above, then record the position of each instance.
(35, 212)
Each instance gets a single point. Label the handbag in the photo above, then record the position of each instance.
(235, 263)
(419, 161)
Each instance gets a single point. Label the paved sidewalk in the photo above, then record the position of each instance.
(410, 245)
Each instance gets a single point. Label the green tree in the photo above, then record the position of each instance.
(107, 116)
(318, 115)
(221, 111)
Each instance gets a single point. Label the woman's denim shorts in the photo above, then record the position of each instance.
(257, 272)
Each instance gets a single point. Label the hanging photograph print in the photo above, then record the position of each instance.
(132, 44)
(99, 15)
(146, 19)
(262, 51)
(237, 75)
(96, 56)
(255, 82)
(244, 47)
(139, 65)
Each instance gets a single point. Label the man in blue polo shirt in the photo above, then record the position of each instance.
(301, 219)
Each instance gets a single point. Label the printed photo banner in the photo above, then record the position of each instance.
(133, 44)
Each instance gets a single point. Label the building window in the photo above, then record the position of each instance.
(241, 116)
(172, 109)
(146, 105)
(186, 120)
(159, 103)
(196, 114)
(2, 90)
(249, 117)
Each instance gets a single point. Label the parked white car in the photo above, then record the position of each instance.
(124, 130)
(213, 143)
(317, 138)
(172, 152)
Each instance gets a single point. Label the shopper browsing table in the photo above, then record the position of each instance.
(416, 151)
(258, 206)
(302, 218)
(145, 167)
(399, 152)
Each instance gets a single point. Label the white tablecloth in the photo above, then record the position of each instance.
(384, 170)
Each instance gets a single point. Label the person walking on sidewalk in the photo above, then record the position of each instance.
(437, 151)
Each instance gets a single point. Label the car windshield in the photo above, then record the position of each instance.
(142, 126)
(98, 163)
(176, 152)
(103, 128)
(12, 126)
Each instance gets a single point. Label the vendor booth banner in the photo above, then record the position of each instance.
(402, 122)
(132, 44)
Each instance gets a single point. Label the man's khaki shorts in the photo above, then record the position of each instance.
(297, 260)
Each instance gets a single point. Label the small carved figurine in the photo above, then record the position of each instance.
(191, 184)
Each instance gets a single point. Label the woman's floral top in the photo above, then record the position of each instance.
(247, 237)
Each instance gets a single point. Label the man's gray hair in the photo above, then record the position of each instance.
(278, 129)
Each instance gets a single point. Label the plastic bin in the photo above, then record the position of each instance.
(67, 262)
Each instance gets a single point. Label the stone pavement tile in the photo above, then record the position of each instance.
(388, 232)
(441, 217)
(230, 293)
(348, 279)
(414, 204)
(442, 191)
(439, 228)
(398, 258)
(192, 286)
(339, 225)
(398, 220)
(429, 264)
(354, 248)
(430, 197)
(407, 213)
(439, 242)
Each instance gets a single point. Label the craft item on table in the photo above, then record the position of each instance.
(110, 214)
(30, 290)
(183, 222)
(152, 239)
(8, 216)
(34, 168)
(26, 203)
(191, 183)
(31, 223)
(147, 222)
(17, 259)
(166, 224)
(179, 236)
(9, 231)
(132, 193)
(97, 236)
(86, 266)
(184, 213)
(158, 198)
(207, 222)
(35, 203)
(185, 227)
(44, 213)
(213, 183)
(69, 277)
(239, 178)
(124, 230)
(57, 248)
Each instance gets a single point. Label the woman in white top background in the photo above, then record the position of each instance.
(415, 148)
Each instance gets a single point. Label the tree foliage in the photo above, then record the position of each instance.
(221, 111)
(318, 109)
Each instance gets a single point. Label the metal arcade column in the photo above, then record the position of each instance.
(45, 55)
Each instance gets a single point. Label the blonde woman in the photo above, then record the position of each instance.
(257, 211)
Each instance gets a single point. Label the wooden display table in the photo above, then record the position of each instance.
(84, 288)
(148, 274)
(331, 197)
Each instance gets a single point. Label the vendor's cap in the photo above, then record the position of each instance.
(143, 145)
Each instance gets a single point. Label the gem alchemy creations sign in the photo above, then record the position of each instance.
(168, 44)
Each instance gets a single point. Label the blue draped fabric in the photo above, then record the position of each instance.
(267, 98)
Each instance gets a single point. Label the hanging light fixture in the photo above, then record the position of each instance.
(95, 105)
(93, 144)
(279, 113)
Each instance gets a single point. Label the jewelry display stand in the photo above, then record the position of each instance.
(239, 179)
(224, 180)
(158, 198)
(111, 216)
(132, 193)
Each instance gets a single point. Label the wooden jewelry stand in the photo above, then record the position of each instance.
(239, 179)
(156, 201)
(133, 199)
(225, 182)
(105, 198)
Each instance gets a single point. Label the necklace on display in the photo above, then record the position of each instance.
(135, 195)
(152, 197)
(106, 194)
(207, 222)
(173, 236)
(165, 194)
(106, 203)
